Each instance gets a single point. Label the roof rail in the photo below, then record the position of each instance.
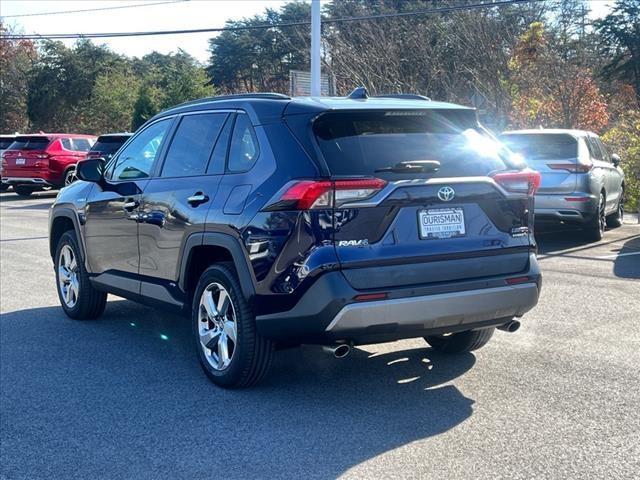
(406, 96)
(268, 96)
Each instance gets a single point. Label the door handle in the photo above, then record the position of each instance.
(131, 205)
(197, 199)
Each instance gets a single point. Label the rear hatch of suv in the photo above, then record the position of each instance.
(423, 196)
(557, 156)
(26, 156)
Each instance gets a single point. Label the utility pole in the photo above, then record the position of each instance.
(315, 48)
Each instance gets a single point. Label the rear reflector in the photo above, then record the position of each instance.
(525, 181)
(309, 194)
(571, 167)
(577, 199)
(370, 296)
(516, 280)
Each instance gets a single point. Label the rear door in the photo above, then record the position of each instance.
(557, 156)
(450, 223)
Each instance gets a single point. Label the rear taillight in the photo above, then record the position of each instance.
(571, 167)
(42, 160)
(310, 194)
(525, 181)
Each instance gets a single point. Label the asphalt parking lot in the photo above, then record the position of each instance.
(124, 397)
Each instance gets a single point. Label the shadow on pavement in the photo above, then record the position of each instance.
(14, 197)
(123, 396)
(627, 263)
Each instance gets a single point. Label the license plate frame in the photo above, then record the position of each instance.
(451, 226)
(20, 161)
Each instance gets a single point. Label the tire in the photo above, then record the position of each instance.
(82, 302)
(23, 191)
(215, 323)
(615, 219)
(594, 230)
(461, 342)
(69, 177)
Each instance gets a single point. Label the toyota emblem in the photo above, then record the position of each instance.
(446, 194)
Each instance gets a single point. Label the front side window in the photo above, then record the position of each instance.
(192, 144)
(136, 160)
(243, 152)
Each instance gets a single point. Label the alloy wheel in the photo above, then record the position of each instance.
(217, 326)
(70, 177)
(68, 276)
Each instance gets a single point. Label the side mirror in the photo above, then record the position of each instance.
(91, 170)
(615, 159)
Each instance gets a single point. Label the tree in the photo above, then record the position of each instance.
(620, 31)
(551, 90)
(111, 105)
(146, 105)
(17, 58)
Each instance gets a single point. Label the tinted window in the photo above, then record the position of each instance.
(363, 143)
(109, 145)
(30, 143)
(81, 144)
(219, 157)
(136, 160)
(192, 145)
(243, 152)
(542, 146)
(5, 142)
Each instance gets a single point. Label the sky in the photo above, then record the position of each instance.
(168, 16)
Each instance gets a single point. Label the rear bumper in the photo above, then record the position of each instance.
(27, 181)
(576, 207)
(327, 313)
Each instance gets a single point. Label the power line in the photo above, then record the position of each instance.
(119, 7)
(62, 36)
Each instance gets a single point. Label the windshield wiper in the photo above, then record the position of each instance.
(412, 166)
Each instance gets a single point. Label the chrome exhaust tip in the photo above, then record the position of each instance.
(510, 327)
(338, 351)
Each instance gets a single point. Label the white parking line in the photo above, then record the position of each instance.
(616, 255)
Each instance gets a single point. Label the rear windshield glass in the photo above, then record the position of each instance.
(363, 143)
(543, 146)
(30, 143)
(5, 142)
(108, 145)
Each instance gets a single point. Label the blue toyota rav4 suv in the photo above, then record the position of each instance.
(274, 221)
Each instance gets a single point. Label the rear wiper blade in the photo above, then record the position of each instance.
(412, 166)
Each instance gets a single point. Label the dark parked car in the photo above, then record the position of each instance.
(274, 221)
(107, 145)
(45, 160)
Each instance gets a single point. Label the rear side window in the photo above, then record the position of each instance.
(30, 143)
(367, 143)
(76, 144)
(192, 144)
(594, 148)
(542, 146)
(243, 152)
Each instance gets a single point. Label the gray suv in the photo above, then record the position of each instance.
(582, 183)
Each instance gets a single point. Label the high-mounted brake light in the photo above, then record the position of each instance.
(525, 181)
(310, 194)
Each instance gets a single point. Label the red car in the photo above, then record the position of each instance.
(45, 160)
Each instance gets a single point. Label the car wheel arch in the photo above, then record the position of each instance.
(202, 250)
(63, 220)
